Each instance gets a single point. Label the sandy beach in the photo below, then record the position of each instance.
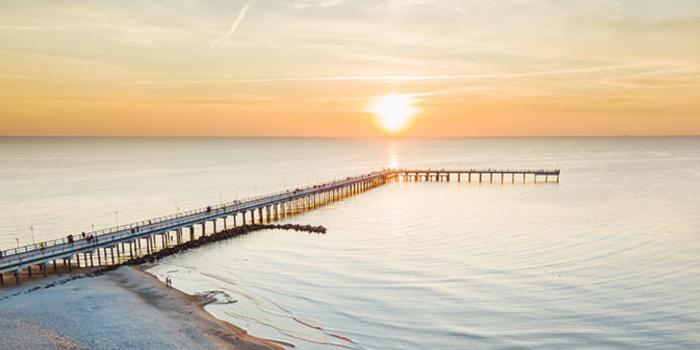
(123, 309)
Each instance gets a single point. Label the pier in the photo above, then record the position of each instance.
(480, 175)
(113, 245)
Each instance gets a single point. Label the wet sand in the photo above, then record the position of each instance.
(123, 309)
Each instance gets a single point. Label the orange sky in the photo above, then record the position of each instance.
(316, 67)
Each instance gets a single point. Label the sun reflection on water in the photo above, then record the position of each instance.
(393, 156)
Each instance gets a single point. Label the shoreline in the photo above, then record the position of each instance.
(126, 308)
(51, 308)
(238, 337)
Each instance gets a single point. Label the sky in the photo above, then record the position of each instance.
(319, 68)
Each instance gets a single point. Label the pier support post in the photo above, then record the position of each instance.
(17, 276)
(2, 279)
(54, 266)
(29, 270)
(44, 270)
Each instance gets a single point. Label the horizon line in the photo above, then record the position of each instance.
(345, 137)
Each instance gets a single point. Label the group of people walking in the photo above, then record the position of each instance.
(90, 238)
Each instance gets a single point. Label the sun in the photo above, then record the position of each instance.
(394, 113)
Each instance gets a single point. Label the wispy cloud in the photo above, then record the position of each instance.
(302, 4)
(394, 78)
(234, 26)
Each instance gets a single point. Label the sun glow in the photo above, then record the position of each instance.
(394, 113)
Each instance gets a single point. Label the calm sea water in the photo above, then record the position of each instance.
(608, 258)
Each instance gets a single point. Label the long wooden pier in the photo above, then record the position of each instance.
(119, 243)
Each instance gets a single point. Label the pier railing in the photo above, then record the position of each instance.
(193, 214)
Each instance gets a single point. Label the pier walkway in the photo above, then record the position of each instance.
(128, 239)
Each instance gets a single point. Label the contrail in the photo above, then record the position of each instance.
(240, 17)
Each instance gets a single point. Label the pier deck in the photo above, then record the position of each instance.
(104, 242)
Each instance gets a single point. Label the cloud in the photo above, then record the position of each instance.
(302, 4)
(399, 78)
(238, 20)
(688, 25)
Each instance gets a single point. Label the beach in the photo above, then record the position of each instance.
(123, 309)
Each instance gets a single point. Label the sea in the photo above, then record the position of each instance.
(607, 258)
